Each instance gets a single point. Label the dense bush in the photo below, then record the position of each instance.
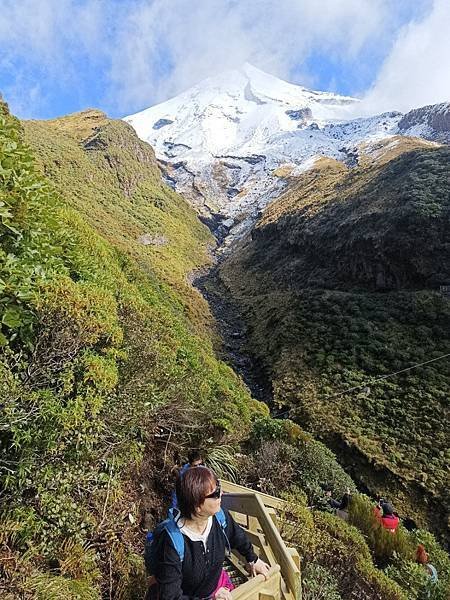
(282, 455)
(382, 542)
(319, 584)
(397, 552)
(413, 578)
(325, 540)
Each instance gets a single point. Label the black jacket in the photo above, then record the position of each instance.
(198, 575)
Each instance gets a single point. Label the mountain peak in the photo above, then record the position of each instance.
(220, 138)
(228, 142)
(235, 107)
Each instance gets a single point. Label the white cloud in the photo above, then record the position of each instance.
(143, 51)
(43, 45)
(206, 36)
(417, 70)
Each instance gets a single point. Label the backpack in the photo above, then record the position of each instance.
(170, 526)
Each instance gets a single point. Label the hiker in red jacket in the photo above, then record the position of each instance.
(384, 512)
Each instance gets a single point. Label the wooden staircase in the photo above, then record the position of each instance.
(258, 514)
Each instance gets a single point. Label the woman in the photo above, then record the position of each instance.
(200, 574)
(422, 559)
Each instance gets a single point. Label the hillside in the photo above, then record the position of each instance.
(339, 282)
(112, 178)
(106, 367)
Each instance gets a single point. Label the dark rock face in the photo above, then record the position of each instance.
(435, 117)
(253, 159)
(250, 96)
(162, 123)
(172, 149)
(299, 115)
(232, 192)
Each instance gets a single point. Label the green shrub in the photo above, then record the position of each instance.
(437, 555)
(319, 584)
(306, 462)
(317, 465)
(105, 366)
(266, 428)
(347, 555)
(411, 577)
(325, 540)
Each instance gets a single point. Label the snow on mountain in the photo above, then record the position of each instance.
(234, 109)
(224, 142)
(430, 122)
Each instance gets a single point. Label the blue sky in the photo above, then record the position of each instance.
(60, 56)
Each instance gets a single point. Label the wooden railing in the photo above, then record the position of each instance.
(256, 512)
(260, 587)
(270, 501)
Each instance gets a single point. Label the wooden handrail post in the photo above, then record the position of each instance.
(267, 538)
(289, 570)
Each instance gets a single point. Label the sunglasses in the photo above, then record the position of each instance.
(216, 493)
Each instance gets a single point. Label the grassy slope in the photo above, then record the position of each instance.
(111, 177)
(103, 345)
(339, 284)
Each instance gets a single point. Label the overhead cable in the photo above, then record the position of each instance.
(367, 383)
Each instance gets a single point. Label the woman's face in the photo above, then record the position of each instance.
(211, 504)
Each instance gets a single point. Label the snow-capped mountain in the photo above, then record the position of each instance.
(228, 142)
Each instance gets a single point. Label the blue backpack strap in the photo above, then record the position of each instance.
(222, 520)
(176, 536)
(172, 514)
(220, 516)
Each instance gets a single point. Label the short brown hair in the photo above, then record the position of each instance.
(421, 555)
(194, 456)
(192, 488)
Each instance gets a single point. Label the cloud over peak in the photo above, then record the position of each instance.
(416, 72)
(124, 55)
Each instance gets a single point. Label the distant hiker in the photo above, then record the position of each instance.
(326, 502)
(422, 558)
(339, 507)
(342, 510)
(384, 512)
(195, 459)
(194, 567)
